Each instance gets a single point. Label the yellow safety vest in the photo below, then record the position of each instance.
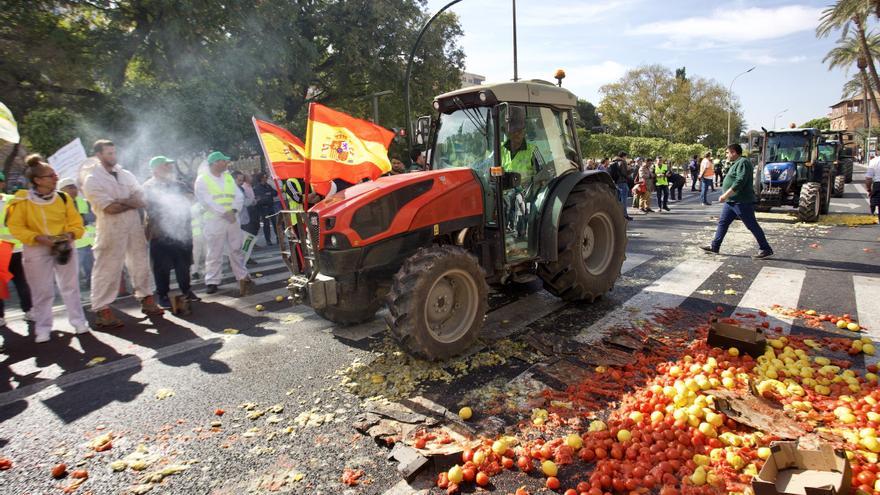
(521, 162)
(88, 238)
(5, 235)
(196, 213)
(660, 173)
(223, 197)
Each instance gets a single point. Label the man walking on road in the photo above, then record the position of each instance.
(661, 181)
(222, 200)
(693, 168)
(115, 196)
(619, 173)
(739, 203)
(872, 185)
(707, 178)
(169, 230)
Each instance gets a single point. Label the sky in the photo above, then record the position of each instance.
(596, 42)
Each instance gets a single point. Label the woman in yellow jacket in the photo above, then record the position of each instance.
(47, 223)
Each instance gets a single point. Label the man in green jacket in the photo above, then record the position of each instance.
(739, 202)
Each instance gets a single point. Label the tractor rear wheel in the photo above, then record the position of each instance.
(826, 191)
(592, 245)
(437, 302)
(358, 303)
(839, 184)
(809, 202)
(848, 171)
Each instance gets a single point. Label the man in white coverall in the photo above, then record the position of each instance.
(115, 195)
(222, 200)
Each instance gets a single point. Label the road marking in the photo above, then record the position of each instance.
(867, 290)
(668, 291)
(774, 285)
(633, 260)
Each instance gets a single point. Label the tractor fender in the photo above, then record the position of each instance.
(548, 246)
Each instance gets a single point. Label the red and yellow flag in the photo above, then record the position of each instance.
(284, 151)
(339, 146)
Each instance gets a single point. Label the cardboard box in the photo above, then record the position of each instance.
(793, 471)
(748, 340)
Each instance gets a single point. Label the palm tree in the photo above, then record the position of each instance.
(848, 52)
(842, 16)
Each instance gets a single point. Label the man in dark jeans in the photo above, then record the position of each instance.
(694, 169)
(738, 197)
(265, 195)
(169, 230)
(619, 173)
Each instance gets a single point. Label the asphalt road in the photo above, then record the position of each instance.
(158, 384)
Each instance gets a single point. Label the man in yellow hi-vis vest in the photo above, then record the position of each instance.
(15, 266)
(84, 244)
(518, 155)
(222, 200)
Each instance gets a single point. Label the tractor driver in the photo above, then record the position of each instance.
(516, 154)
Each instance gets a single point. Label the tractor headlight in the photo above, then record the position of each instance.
(337, 241)
(783, 176)
(766, 174)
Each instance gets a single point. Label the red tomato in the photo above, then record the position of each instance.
(552, 483)
(467, 455)
(571, 491)
(469, 474)
(482, 479)
(583, 486)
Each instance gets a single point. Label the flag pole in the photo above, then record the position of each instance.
(278, 186)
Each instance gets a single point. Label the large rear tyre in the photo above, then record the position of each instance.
(808, 202)
(592, 245)
(848, 171)
(839, 185)
(826, 190)
(437, 302)
(357, 304)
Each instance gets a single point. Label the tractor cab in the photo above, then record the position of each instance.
(517, 138)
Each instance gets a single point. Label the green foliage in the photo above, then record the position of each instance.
(185, 77)
(652, 101)
(821, 123)
(607, 145)
(587, 117)
(46, 130)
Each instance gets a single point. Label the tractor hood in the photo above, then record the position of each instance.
(367, 191)
(779, 173)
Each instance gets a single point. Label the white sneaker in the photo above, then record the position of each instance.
(83, 329)
(28, 316)
(42, 338)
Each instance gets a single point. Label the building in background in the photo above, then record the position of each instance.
(469, 79)
(849, 115)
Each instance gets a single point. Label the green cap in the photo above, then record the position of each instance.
(159, 160)
(217, 156)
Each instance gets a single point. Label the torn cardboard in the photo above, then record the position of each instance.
(791, 470)
(757, 413)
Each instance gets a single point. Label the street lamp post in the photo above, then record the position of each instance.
(730, 100)
(375, 97)
(777, 116)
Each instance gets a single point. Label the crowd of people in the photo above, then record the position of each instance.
(105, 224)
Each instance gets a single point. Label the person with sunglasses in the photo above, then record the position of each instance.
(47, 223)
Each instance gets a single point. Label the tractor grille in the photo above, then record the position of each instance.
(314, 234)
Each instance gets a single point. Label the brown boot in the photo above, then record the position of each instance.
(150, 308)
(106, 319)
(245, 286)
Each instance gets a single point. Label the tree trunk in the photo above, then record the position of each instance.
(866, 53)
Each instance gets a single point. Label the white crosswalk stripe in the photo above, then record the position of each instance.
(774, 285)
(668, 291)
(633, 260)
(867, 291)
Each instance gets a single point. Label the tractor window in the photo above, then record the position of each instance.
(466, 139)
(827, 152)
(788, 148)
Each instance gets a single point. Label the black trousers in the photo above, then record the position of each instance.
(693, 181)
(677, 188)
(268, 223)
(662, 196)
(21, 286)
(167, 255)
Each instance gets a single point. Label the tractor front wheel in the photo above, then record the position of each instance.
(839, 184)
(809, 202)
(591, 245)
(437, 302)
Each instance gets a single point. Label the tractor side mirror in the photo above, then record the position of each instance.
(510, 180)
(423, 129)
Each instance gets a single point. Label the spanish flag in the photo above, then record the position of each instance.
(284, 151)
(340, 146)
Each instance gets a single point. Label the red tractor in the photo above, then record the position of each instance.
(505, 199)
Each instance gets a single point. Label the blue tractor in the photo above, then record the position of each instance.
(792, 172)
